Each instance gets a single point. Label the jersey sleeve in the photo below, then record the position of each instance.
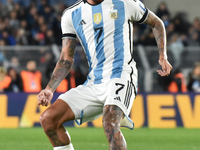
(67, 26)
(137, 11)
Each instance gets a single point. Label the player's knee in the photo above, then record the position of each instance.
(47, 121)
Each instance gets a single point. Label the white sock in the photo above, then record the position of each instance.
(66, 147)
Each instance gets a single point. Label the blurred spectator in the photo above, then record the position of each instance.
(47, 61)
(56, 28)
(176, 47)
(181, 24)
(16, 82)
(60, 7)
(14, 22)
(194, 33)
(49, 38)
(40, 21)
(194, 79)
(178, 83)
(21, 38)
(3, 10)
(194, 39)
(162, 10)
(173, 83)
(48, 13)
(38, 39)
(170, 31)
(2, 58)
(4, 80)
(31, 78)
(148, 40)
(50, 63)
(17, 9)
(14, 63)
(163, 13)
(24, 25)
(2, 42)
(43, 30)
(9, 39)
(195, 25)
(10, 5)
(164, 82)
(42, 5)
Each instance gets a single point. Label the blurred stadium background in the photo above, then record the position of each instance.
(30, 31)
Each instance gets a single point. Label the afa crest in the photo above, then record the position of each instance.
(97, 18)
(114, 14)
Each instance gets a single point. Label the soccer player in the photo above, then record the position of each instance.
(104, 28)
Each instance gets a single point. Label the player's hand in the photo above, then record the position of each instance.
(44, 97)
(166, 67)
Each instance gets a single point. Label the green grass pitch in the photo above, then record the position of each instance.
(94, 139)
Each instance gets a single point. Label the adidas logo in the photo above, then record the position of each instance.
(117, 98)
(82, 22)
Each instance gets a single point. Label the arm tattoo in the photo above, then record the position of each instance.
(72, 45)
(159, 34)
(64, 64)
(158, 31)
(57, 77)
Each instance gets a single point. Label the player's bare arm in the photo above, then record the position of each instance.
(160, 37)
(64, 64)
(61, 70)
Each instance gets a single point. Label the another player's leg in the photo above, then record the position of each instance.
(52, 120)
(112, 116)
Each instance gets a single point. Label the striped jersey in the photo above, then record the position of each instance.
(105, 32)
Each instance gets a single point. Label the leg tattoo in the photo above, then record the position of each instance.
(112, 117)
(54, 138)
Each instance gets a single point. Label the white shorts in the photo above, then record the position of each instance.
(87, 101)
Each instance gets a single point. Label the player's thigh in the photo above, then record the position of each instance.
(58, 113)
(112, 115)
(84, 103)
